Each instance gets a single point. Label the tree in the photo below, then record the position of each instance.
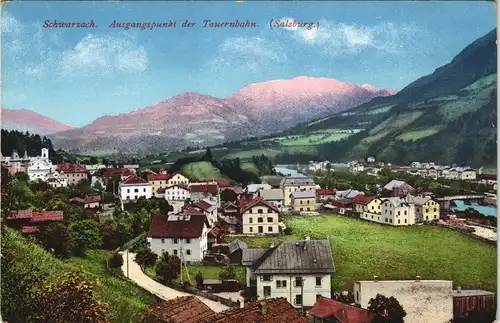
(141, 244)
(70, 301)
(228, 195)
(387, 310)
(227, 273)
(85, 236)
(56, 238)
(208, 155)
(116, 260)
(199, 279)
(93, 160)
(146, 258)
(169, 268)
(7, 197)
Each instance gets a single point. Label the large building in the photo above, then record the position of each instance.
(39, 168)
(304, 201)
(132, 189)
(259, 216)
(162, 181)
(183, 235)
(299, 271)
(296, 183)
(423, 300)
(399, 188)
(74, 172)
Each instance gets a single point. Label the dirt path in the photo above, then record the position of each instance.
(140, 278)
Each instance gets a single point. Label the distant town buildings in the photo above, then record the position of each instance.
(295, 183)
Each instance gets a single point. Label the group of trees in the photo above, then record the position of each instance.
(168, 268)
(26, 142)
(264, 164)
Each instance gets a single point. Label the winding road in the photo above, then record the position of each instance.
(140, 278)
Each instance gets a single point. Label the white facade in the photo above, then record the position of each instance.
(177, 193)
(188, 249)
(260, 219)
(57, 180)
(393, 211)
(132, 192)
(39, 169)
(294, 287)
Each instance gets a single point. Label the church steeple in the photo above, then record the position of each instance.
(25, 155)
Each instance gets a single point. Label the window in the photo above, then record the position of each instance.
(405, 212)
(281, 284)
(298, 281)
(357, 295)
(399, 221)
(260, 220)
(318, 296)
(390, 220)
(318, 281)
(308, 202)
(399, 212)
(259, 211)
(128, 190)
(188, 252)
(435, 209)
(250, 211)
(251, 229)
(267, 291)
(301, 209)
(136, 190)
(188, 240)
(269, 220)
(144, 190)
(298, 299)
(269, 210)
(406, 221)
(176, 240)
(308, 209)
(175, 252)
(162, 240)
(261, 229)
(269, 229)
(266, 278)
(300, 201)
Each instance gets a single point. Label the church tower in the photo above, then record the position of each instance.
(45, 153)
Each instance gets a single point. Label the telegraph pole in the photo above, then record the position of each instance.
(127, 263)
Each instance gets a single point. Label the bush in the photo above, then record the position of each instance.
(288, 231)
(199, 279)
(146, 258)
(141, 244)
(116, 260)
(227, 273)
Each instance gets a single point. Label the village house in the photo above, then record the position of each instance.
(203, 190)
(255, 188)
(369, 204)
(103, 175)
(396, 211)
(27, 220)
(327, 310)
(16, 164)
(57, 180)
(324, 194)
(399, 188)
(160, 181)
(341, 206)
(93, 169)
(208, 207)
(273, 196)
(184, 235)
(347, 194)
(426, 209)
(90, 202)
(39, 168)
(295, 183)
(299, 271)
(259, 216)
(230, 217)
(176, 192)
(303, 201)
(133, 168)
(423, 300)
(132, 189)
(462, 173)
(74, 172)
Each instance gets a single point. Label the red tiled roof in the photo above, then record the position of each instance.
(278, 310)
(344, 313)
(71, 168)
(362, 199)
(179, 186)
(29, 229)
(203, 187)
(36, 216)
(77, 200)
(325, 191)
(159, 177)
(92, 199)
(185, 309)
(247, 204)
(222, 182)
(192, 228)
(215, 232)
(134, 180)
(204, 205)
(341, 203)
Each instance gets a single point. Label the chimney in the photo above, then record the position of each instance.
(459, 289)
(307, 238)
(263, 308)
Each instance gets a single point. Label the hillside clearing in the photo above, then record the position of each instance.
(363, 249)
(419, 134)
(201, 170)
(248, 154)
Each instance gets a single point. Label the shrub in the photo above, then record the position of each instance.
(199, 279)
(116, 260)
(227, 273)
(288, 231)
(146, 258)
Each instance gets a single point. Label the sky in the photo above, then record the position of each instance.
(75, 75)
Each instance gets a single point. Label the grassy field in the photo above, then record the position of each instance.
(250, 167)
(363, 249)
(126, 300)
(419, 134)
(208, 272)
(201, 170)
(247, 154)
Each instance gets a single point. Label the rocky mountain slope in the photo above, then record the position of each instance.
(26, 120)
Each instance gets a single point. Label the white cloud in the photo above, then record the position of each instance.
(247, 53)
(103, 54)
(340, 38)
(11, 25)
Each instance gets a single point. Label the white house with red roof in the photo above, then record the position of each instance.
(203, 190)
(74, 172)
(176, 192)
(184, 235)
(133, 188)
(162, 181)
(259, 216)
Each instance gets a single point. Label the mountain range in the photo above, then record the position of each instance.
(448, 116)
(192, 119)
(27, 120)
